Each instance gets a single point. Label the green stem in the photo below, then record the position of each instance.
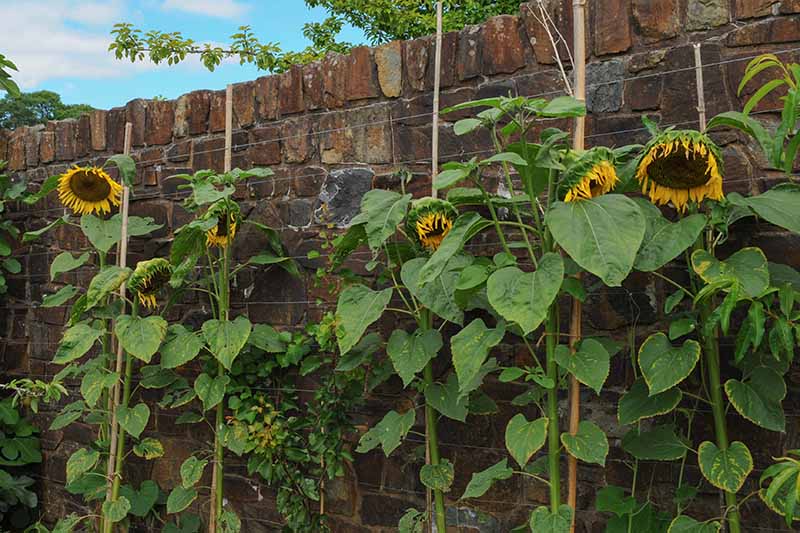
(553, 442)
(433, 437)
(224, 304)
(488, 200)
(125, 401)
(711, 352)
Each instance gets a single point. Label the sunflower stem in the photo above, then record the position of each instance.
(553, 437)
(433, 438)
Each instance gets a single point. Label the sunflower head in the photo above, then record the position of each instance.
(680, 166)
(429, 221)
(88, 190)
(591, 175)
(227, 218)
(148, 278)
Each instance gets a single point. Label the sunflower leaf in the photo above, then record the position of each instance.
(126, 166)
(64, 262)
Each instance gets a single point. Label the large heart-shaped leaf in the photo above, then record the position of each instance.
(637, 403)
(149, 448)
(141, 337)
(143, 500)
(116, 510)
(471, 347)
(589, 444)
(663, 365)
(358, 308)
(76, 341)
(524, 297)
(383, 211)
(134, 419)
(191, 471)
(439, 476)
(210, 390)
(687, 524)
(748, 267)
(388, 433)
(759, 398)
(664, 240)
(226, 338)
(410, 353)
(64, 262)
(81, 462)
(544, 521)
(602, 234)
(180, 498)
(180, 346)
(482, 481)
(659, 443)
(524, 438)
(779, 205)
(590, 364)
(439, 294)
(94, 383)
(446, 399)
(725, 469)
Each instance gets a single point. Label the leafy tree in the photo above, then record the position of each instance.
(380, 20)
(27, 109)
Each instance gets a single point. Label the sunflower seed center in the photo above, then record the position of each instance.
(90, 186)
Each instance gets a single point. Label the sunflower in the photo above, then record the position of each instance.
(88, 190)
(429, 221)
(592, 175)
(148, 278)
(680, 166)
(223, 233)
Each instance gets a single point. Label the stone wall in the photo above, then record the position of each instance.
(334, 129)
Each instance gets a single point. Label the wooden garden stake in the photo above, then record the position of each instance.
(579, 88)
(122, 261)
(437, 81)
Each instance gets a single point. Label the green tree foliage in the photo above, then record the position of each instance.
(27, 109)
(380, 20)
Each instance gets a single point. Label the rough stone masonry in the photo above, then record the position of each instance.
(333, 129)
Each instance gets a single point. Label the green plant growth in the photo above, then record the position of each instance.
(6, 83)
(19, 449)
(9, 192)
(780, 146)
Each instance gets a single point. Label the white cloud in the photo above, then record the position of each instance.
(210, 8)
(66, 38)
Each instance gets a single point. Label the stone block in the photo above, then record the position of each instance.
(790, 6)
(160, 122)
(265, 146)
(706, 14)
(244, 104)
(416, 62)
(372, 143)
(746, 9)
(362, 76)
(644, 93)
(334, 72)
(309, 181)
(470, 53)
(383, 510)
(65, 139)
(47, 146)
(560, 12)
(191, 113)
(16, 149)
(97, 122)
(604, 86)
(116, 130)
(83, 136)
(503, 50)
(656, 21)
(341, 195)
(32, 138)
(290, 91)
(335, 139)
(216, 113)
(313, 86)
(266, 91)
(179, 152)
(136, 114)
(298, 139)
(772, 31)
(389, 60)
(612, 27)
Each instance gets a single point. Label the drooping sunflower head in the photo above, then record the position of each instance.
(148, 278)
(88, 190)
(679, 166)
(591, 175)
(225, 230)
(429, 221)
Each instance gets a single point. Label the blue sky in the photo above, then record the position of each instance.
(64, 45)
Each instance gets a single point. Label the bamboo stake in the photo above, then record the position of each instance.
(122, 261)
(579, 87)
(701, 95)
(437, 81)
